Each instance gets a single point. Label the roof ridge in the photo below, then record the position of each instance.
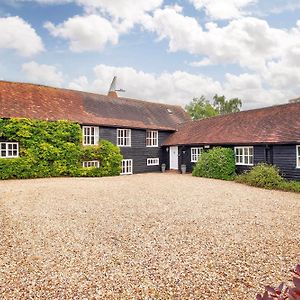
(244, 111)
(91, 93)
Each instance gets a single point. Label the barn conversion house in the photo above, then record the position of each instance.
(150, 134)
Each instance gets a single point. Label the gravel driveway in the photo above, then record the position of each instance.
(151, 236)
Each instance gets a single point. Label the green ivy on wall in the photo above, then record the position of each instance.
(51, 149)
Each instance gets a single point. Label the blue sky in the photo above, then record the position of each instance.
(168, 51)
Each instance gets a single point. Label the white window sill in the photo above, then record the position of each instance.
(247, 165)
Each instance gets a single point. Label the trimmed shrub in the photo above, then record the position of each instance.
(50, 149)
(268, 177)
(216, 163)
(262, 175)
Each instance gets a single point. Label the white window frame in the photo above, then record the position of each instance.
(90, 135)
(196, 153)
(152, 138)
(127, 167)
(242, 155)
(9, 149)
(91, 164)
(153, 161)
(124, 137)
(298, 156)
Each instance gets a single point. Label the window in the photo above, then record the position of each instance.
(298, 155)
(9, 150)
(195, 154)
(126, 166)
(124, 137)
(152, 161)
(152, 138)
(244, 156)
(91, 164)
(90, 135)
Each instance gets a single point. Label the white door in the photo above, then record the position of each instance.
(173, 158)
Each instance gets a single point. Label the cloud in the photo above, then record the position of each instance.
(181, 87)
(85, 33)
(81, 83)
(223, 10)
(248, 42)
(18, 35)
(121, 9)
(45, 74)
(176, 88)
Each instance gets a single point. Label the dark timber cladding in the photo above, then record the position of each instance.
(138, 151)
(106, 113)
(185, 156)
(272, 132)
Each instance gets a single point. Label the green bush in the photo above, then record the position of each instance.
(50, 149)
(109, 156)
(290, 186)
(262, 175)
(268, 177)
(216, 163)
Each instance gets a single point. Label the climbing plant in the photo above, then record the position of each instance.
(50, 149)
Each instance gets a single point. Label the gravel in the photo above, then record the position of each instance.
(150, 236)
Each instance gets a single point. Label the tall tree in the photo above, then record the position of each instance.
(224, 106)
(201, 108)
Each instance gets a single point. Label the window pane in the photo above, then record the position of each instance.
(251, 160)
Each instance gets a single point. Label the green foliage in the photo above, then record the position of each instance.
(224, 106)
(268, 177)
(201, 108)
(49, 149)
(109, 156)
(216, 163)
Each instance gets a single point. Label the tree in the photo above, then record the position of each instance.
(224, 106)
(201, 108)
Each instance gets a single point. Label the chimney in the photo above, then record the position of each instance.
(112, 90)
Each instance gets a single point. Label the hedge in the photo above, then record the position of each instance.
(216, 163)
(51, 149)
(267, 177)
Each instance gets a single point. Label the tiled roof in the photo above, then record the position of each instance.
(275, 124)
(24, 100)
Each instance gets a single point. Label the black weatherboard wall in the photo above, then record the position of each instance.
(138, 151)
(259, 156)
(283, 156)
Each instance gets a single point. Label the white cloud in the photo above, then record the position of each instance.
(81, 84)
(176, 88)
(124, 13)
(248, 42)
(46, 74)
(85, 33)
(180, 87)
(18, 35)
(224, 9)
